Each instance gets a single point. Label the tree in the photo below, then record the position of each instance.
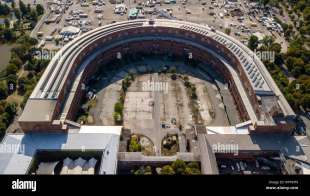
(178, 166)
(3, 90)
(15, 60)
(2, 129)
(276, 47)
(117, 118)
(134, 145)
(17, 14)
(139, 171)
(40, 9)
(192, 168)
(28, 8)
(228, 31)
(11, 69)
(33, 16)
(8, 34)
(148, 170)
(118, 107)
(4, 9)
(22, 84)
(267, 41)
(11, 109)
(144, 170)
(167, 170)
(22, 8)
(306, 14)
(297, 71)
(193, 165)
(191, 171)
(127, 81)
(253, 42)
(13, 4)
(7, 23)
(293, 62)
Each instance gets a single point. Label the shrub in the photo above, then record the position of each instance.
(118, 107)
(117, 118)
(178, 166)
(167, 170)
(134, 145)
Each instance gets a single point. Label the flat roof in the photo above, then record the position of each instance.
(38, 110)
(19, 149)
(297, 147)
(227, 130)
(70, 29)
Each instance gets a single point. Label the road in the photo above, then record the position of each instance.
(34, 32)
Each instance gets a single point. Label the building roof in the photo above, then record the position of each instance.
(44, 110)
(227, 130)
(20, 148)
(54, 78)
(297, 147)
(207, 157)
(70, 29)
(133, 12)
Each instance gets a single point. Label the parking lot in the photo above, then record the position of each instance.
(255, 165)
(240, 19)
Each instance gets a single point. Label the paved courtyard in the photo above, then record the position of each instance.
(157, 104)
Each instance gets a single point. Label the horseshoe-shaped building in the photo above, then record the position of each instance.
(55, 99)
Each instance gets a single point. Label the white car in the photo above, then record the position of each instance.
(265, 168)
(223, 166)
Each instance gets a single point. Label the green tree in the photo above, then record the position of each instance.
(118, 107)
(33, 15)
(134, 145)
(178, 166)
(8, 35)
(15, 60)
(3, 90)
(22, 8)
(253, 42)
(4, 9)
(17, 14)
(11, 69)
(7, 23)
(22, 82)
(191, 171)
(228, 31)
(40, 9)
(167, 170)
(193, 165)
(2, 129)
(267, 41)
(13, 5)
(11, 109)
(117, 117)
(147, 170)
